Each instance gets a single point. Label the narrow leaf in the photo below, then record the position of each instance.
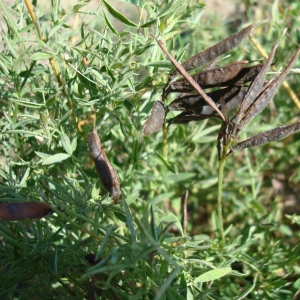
(165, 162)
(55, 158)
(118, 15)
(213, 275)
(65, 141)
(24, 178)
(40, 55)
(110, 26)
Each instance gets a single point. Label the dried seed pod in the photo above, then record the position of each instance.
(256, 84)
(206, 112)
(265, 97)
(247, 74)
(207, 79)
(216, 50)
(24, 210)
(105, 171)
(266, 137)
(188, 77)
(192, 101)
(212, 65)
(156, 119)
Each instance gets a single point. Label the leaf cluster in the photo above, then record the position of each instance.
(74, 68)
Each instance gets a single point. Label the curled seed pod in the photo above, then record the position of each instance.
(24, 210)
(156, 119)
(209, 78)
(192, 101)
(206, 112)
(216, 50)
(106, 173)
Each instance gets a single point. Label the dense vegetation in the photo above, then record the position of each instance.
(65, 70)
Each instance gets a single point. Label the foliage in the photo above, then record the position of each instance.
(84, 66)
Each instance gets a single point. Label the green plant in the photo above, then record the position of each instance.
(73, 68)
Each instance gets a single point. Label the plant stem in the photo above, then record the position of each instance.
(165, 143)
(251, 173)
(220, 186)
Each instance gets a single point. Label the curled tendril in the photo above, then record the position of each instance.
(134, 65)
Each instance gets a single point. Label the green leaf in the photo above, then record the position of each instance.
(3, 63)
(163, 160)
(53, 261)
(74, 144)
(65, 117)
(24, 179)
(42, 155)
(129, 222)
(179, 177)
(161, 197)
(213, 275)
(296, 284)
(65, 141)
(159, 64)
(148, 24)
(120, 216)
(118, 15)
(130, 199)
(55, 158)
(110, 26)
(40, 55)
(174, 294)
(27, 103)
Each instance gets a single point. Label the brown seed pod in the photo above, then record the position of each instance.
(247, 74)
(216, 50)
(208, 79)
(106, 173)
(206, 112)
(188, 77)
(194, 101)
(24, 210)
(156, 119)
(266, 137)
(265, 97)
(256, 99)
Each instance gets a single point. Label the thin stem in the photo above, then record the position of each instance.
(251, 175)
(220, 187)
(165, 142)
